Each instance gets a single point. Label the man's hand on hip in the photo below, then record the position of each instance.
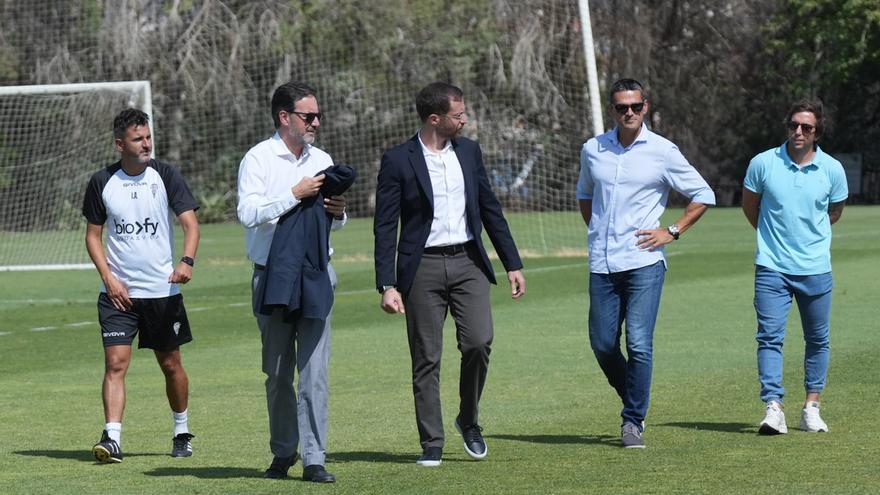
(653, 239)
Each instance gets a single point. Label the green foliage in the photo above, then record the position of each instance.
(215, 191)
(823, 43)
(214, 207)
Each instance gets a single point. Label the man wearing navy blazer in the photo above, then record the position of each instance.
(436, 188)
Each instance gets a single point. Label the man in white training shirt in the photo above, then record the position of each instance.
(135, 198)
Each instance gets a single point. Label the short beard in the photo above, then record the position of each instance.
(304, 138)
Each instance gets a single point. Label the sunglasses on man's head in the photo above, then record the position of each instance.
(308, 117)
(636, 107)
(805, 128)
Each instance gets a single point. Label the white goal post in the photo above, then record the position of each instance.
(52, 139)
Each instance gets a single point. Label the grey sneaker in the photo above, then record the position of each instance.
(631, 437)
(181, 445)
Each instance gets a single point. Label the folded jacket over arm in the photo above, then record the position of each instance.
(296, 276)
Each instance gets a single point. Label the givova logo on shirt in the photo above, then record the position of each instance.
(145, 227)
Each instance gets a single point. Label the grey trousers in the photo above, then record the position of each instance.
(454, 284)
(302, 346)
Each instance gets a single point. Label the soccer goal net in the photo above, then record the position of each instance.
(215, 64)
(52, 138)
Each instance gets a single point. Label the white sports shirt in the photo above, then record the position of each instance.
(137, 213)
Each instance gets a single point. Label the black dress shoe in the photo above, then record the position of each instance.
(280, 466)
(316, 474)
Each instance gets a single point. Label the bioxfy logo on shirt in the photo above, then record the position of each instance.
(136, 229)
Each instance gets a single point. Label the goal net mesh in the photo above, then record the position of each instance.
(213, 66)
(52, 139)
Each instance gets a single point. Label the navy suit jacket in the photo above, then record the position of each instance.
(404, 194)
(296, 276)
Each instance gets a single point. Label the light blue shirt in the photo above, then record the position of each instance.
(794, 230)
(629, 188)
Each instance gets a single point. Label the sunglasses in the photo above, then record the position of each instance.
(805, 128)
(308, 117)
(636, 108)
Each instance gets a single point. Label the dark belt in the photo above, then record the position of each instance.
(449, 250)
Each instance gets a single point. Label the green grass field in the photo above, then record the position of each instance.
(550, 418)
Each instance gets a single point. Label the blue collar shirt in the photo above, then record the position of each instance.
(794, 229)
(629, 188)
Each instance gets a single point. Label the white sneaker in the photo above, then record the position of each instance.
(810, 419)
(774, 420)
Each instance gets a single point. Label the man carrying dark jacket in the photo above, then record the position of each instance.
(276, 176)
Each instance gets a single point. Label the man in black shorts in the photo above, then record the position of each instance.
(135, 198)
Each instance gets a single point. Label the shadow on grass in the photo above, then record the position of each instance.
(78, 455)
(562, 439)
(722, 427)
(365, 456)
(209, 473)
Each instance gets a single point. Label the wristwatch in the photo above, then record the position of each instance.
(189, 261)
(386, 287)
(674, 231)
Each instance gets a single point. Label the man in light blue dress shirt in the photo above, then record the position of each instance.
(792, 195)
(625, 179)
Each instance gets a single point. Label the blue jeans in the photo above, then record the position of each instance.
(773, 295)
(634, 296)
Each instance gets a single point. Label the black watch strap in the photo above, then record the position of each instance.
(189, 261)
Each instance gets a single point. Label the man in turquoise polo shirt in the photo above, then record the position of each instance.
(792, 195)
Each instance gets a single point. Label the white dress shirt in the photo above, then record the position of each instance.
(447, 181)
(266, 178)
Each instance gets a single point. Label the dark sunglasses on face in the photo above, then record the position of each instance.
(636, 108)
(308, 117)
(805, 128)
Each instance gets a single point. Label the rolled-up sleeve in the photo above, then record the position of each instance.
(684, 178)
(585, 180)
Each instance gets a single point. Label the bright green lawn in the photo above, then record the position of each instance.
(550, 418)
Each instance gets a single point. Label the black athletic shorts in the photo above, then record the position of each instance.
(162, 323)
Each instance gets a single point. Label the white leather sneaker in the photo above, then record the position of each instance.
(774, 420)
(810, 419)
